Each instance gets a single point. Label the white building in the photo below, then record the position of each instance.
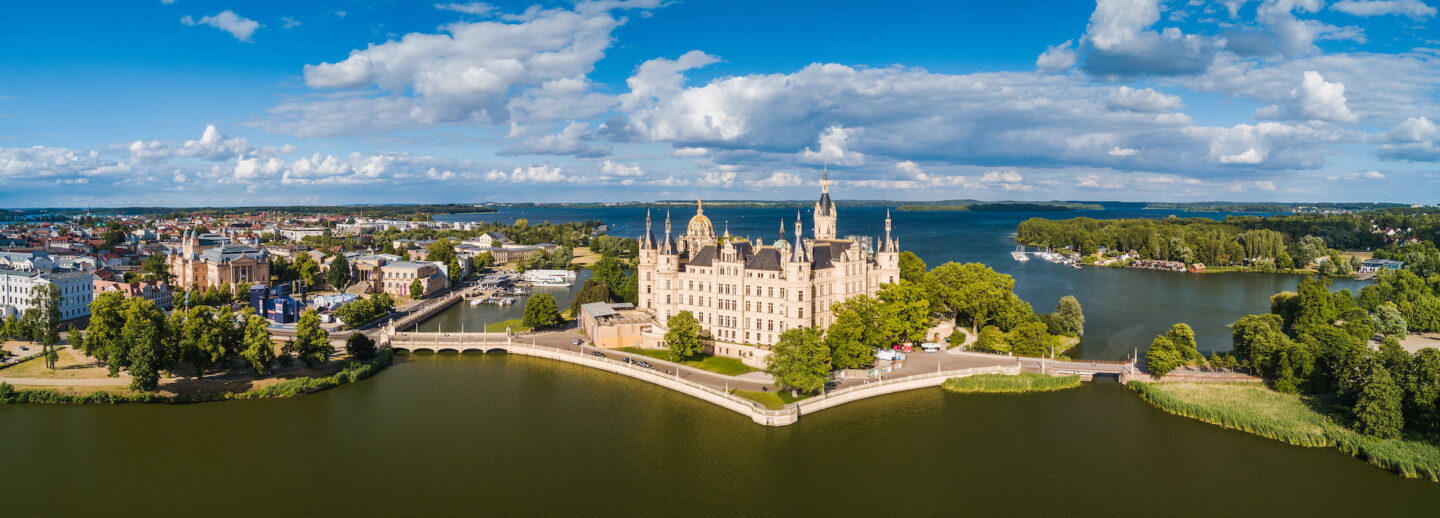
(17, 287)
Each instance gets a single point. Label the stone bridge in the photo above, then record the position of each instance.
(486, 342)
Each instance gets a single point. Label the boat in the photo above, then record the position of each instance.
(1019, 254)
(477, 302)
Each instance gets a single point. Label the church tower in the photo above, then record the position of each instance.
(825, 211)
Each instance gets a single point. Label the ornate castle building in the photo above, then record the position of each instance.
(204, 260)
(745, 293)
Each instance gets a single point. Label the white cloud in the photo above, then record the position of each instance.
(718, 178)
(1314, 99)
(576, 139)
(1123, 151)
(833, 149)
(238, 26)
(488, 72)
(1057, 58)
(212, 145)
(1415, 139)
(1363, 175)
(473, 8)
(1121, 43)
(1412, 8)
(777, 180)
(611, 168)
(1143, 100)
(26, 163)
(289, 23)
(531, 174)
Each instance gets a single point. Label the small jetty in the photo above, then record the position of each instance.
(1019, 254)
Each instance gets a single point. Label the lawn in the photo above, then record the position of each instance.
(771, 400)
(1007, 383)
(716, 364)
(499, 327)
(1298, 420)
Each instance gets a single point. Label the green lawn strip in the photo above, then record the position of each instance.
(772, 400)
(1007, 383)
(499, 327)
(1294, 419)
(716, 364)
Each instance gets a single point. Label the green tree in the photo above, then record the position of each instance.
(976, 295)
(339, 274)
(155, 268)
(1378, 409)
(591, 292)
(1389, 321)
(1070, 316)
(143, 334)
(259, 350)
(306, 269)
(853, 336)
(912, 268)
(800, 360)
(1161, 357)
(417, 290)
(1032, 339)
(102, 339)
(991, 339)
(682, 336)
(608, 271)
(541, 311)
(904, 312)
(312, 342)
(482, 261)
(359, 346)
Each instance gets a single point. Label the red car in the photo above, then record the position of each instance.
(903, 347)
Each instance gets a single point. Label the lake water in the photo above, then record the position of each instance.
(508, 436)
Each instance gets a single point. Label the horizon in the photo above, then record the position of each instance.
(612, 101)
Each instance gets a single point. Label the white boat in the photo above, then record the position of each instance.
(477, 302)
(1019, 254)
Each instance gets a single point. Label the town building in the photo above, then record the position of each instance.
(296, 234)
(1375, 265)
(153, 291)
(17, 291)
(396, 277)
(614, 325)
(745, 294)
(204, 260)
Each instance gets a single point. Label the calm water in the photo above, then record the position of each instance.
(496, 435)
(507, 436)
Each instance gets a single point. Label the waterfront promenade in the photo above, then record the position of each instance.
(707, 386)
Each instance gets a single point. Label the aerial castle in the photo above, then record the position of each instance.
(745, 294)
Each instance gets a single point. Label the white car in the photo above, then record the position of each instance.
(886, 354)
(931, 347)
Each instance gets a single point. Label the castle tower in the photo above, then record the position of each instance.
(825, 211)
(700, 232)
(888, 258)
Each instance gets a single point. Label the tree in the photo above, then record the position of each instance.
(853, 336)
(417, 290)
(904, 312)
(608, 271)
(312, 343)
(360, 346)
(1377, 411)
(1032, 339)
(682, 336)
(143, 334)
(591, 292)
(991, 339)
(1070, 316)
(306, 270)
(482, 261)
(799, 360)
(977, 295)
(45, 302)
(912, 268)
(339, 274)
(156, 269)
(259, 350)
(1172, 349)
(1389, 321)
(541, 311)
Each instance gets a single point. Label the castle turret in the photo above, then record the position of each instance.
(825, 211)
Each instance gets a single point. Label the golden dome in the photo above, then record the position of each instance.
(700, 225)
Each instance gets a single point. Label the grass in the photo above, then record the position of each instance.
(716, 364)
(1011, 384)
(1293, 419)
(772, 400)
(499, 327)
(352, 372)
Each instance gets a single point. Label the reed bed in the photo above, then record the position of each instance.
(1011, 383)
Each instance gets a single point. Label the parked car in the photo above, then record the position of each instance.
(886, 354)
(903, 347)
(597, 353)
(644, 364)
(576, 341)
(628, 360)
(931, 347)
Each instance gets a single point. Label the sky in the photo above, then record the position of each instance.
(228, 103)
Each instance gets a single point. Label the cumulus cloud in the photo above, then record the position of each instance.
(1362, 175)
(1057, 58)
(1121, 43)
(240, 27)
(833, 149)
(530, 174)
(778, 180)
(37, 162)
(1143, 100)
(1415, 9)
(1415, 139)
(473, 8)
(487, 72)
(576, 140)
(612, 168)
(212, 145)
(1314, 99)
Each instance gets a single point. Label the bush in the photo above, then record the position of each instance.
(957, 337)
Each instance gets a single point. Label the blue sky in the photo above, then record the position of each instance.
(194, 102)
